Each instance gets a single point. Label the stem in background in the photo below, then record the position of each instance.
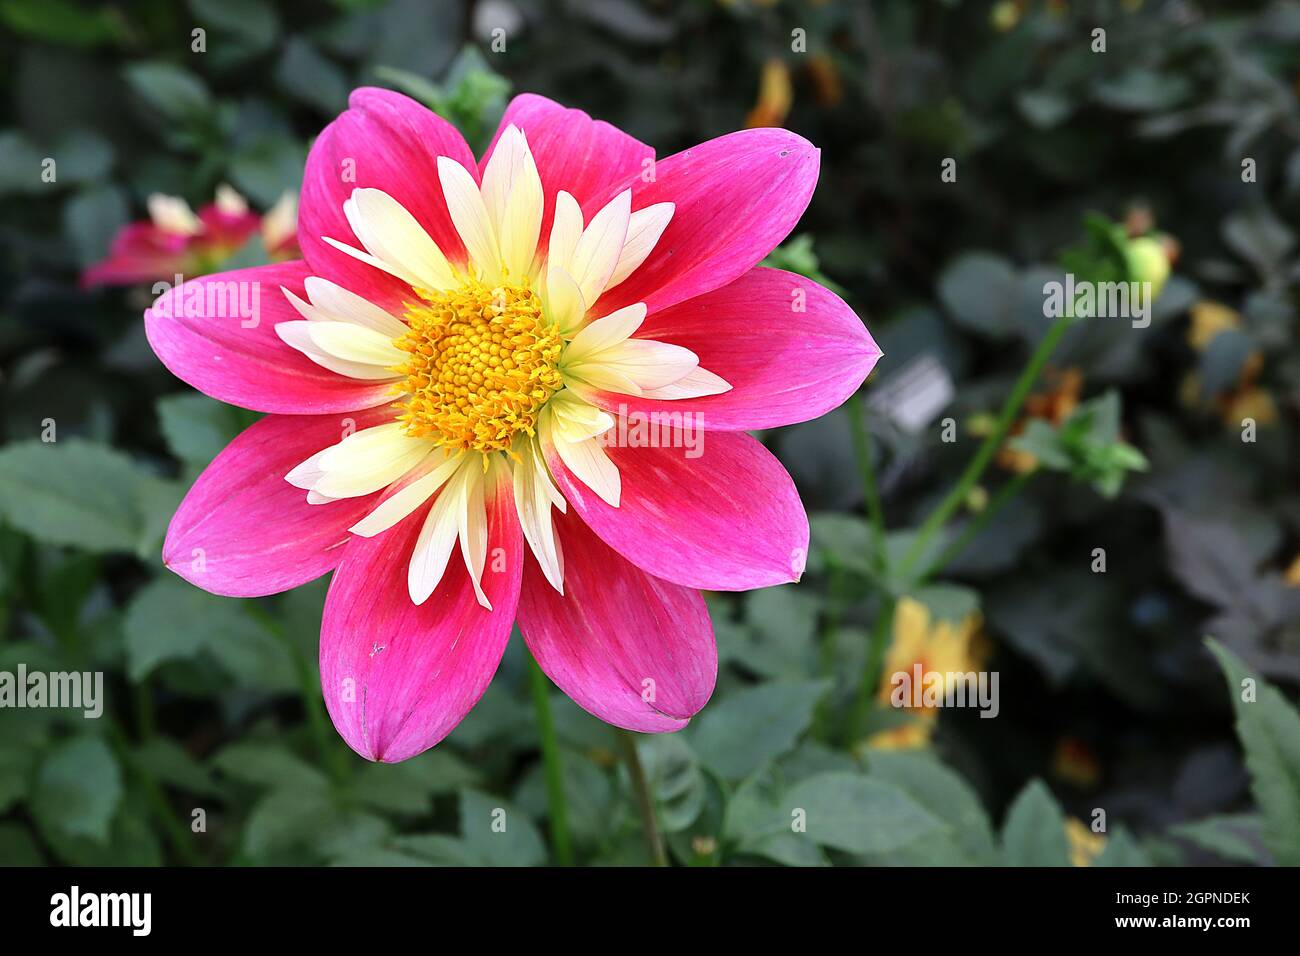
(173, 830)
(975, 526)
(880, 632)
(556, 800)
(948, 507)
(829, 639)
(870, 487)
(644, 800)
(313, 704)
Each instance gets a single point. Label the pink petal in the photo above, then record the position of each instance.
(141, 252)
(386, 141)
(727, 520)
(737, 197)
(217, 333)
(618, 636)
(784, 365)
(589, 159)
(244, 531)
(398, 678)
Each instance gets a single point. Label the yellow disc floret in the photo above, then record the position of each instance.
(483, 361)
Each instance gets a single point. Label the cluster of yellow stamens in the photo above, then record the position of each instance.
(483, 362)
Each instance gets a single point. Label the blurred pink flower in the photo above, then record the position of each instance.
(463, 358)
(174, 241)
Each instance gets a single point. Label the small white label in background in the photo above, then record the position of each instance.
(914, 395)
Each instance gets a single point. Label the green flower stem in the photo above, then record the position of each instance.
(313, 704)
(174, 832)
(880, 633)
(554, 770)
(644, 800)
(984, 455)
(829, 643)
(870, 487)
(978, 524)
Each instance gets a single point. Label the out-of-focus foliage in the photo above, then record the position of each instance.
(971, 153)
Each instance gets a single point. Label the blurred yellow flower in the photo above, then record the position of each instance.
(1208, 320)
(1004, 15)
(913, 735)
(1085, 846)
(1054, 405)
(1246, 399)
(1292, 575)
(775, 96)
(1074, 761)
(826, 83)
(936, 645)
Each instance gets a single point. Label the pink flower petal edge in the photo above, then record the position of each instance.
(386, 141)
(398, 678)
(243, 531)
(634, 650)
(729, 520)
(589, 159)
(736, 198)
(217, 333)
(790, 349)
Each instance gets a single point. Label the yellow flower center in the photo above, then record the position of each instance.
(483, 361)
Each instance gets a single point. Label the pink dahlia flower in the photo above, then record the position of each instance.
(465, 361)
(175, 241)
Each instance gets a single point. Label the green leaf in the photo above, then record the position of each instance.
(132, 840)
(675, 780)
(268, 168)
(842, 538)
(62, 22)
(311, 77)
(78, 789)
(171, 619)
(738, 734)
(378, 856)
(17, 848)
(284, 818)
(1269, 729)
(948, 602)
(946, 796)
(20, 164)
(270, 766)
(1238, 837)
(588, 791)
(176, 94)
(980, 290)
(72, 493)
(858, 814)
(252, 22)
(171, 764)
(759, 820)
(1259, 237)
(498, 833)
(1121, 850)
(196, 427)
(92, 218)
(1034, 831)
(18, 761)
(436, 848)
(409, 787)
(778, 638)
